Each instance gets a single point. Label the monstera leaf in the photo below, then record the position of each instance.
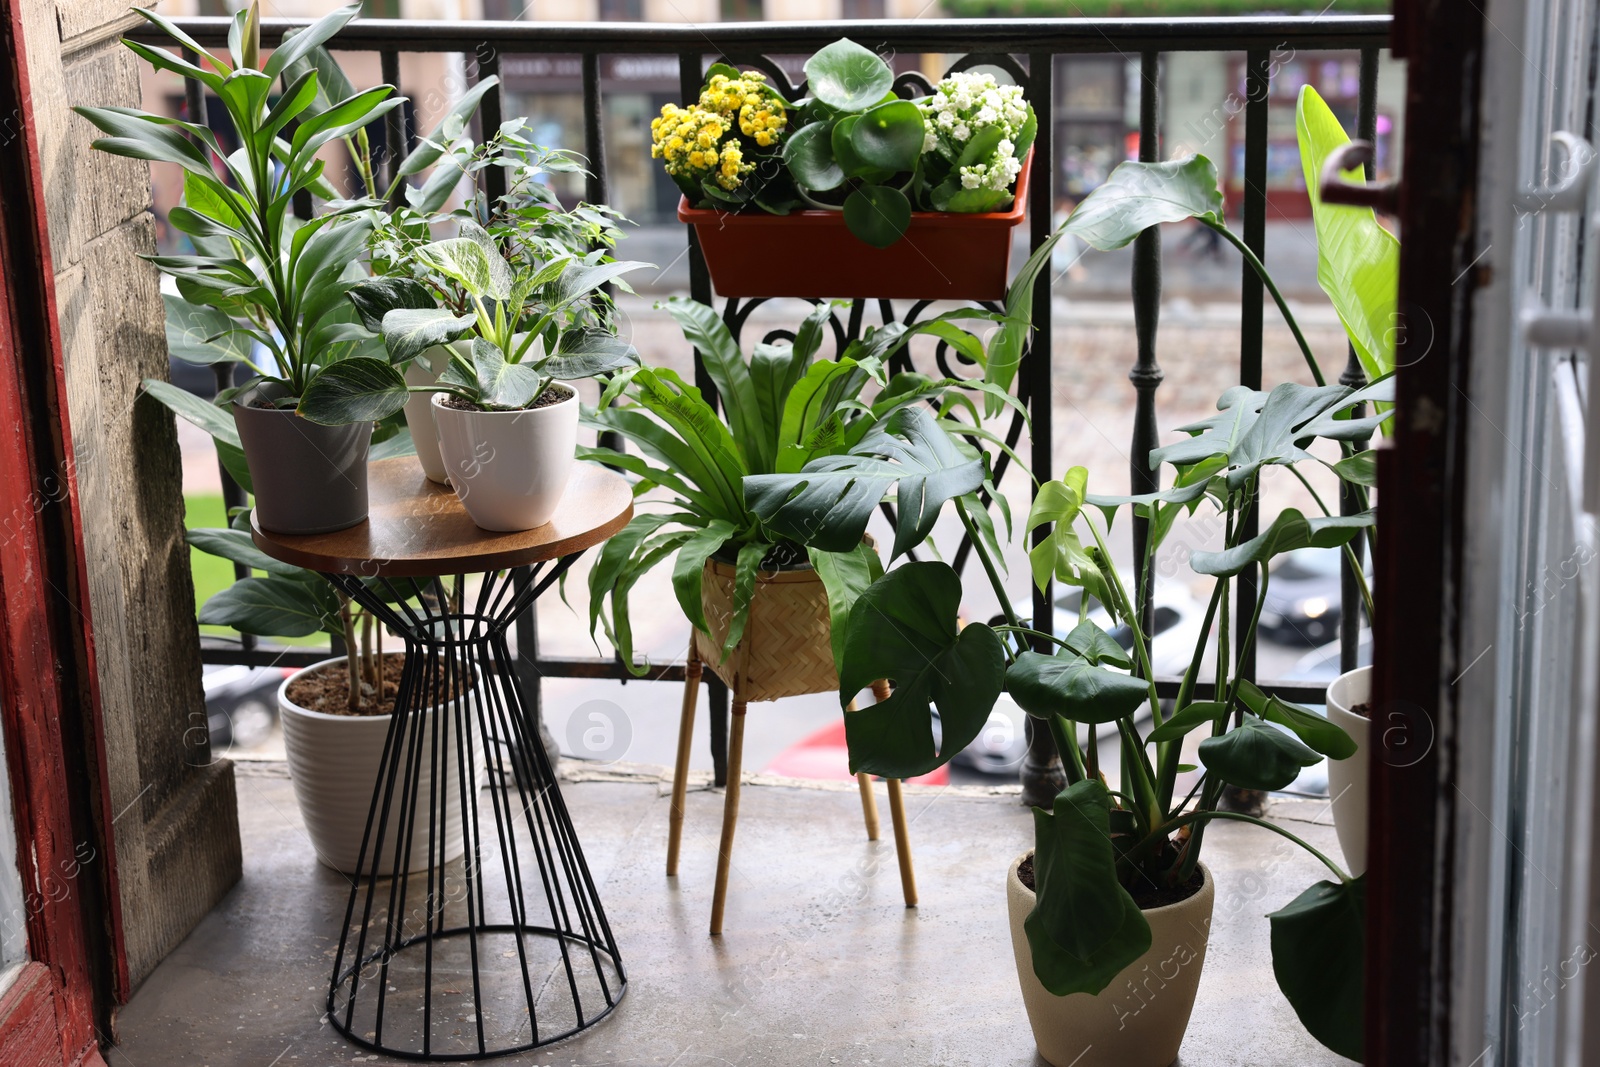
(827, 505)
(1319, 959)
(905, 628)
(1084, 927)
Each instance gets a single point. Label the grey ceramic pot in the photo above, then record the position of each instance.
(308, 479)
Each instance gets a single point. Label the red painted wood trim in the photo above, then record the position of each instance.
(29, 1036)
(48, 693)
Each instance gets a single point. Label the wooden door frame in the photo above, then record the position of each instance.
(58, 1011)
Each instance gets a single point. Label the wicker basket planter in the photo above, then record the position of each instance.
(812, 253)
(786, 649)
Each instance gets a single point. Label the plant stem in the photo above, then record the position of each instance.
(1067, 744)
(352, 653)
(1349, 553)
(982, 553)
(1125, 607)
(1283, 306)
(1236, 816)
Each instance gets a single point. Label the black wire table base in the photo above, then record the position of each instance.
(492, 940)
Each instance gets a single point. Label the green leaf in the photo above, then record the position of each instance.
(239, 547)
(617, 557)
(889, 136)
(877, 214)
(1200, 713)
(581, 280)
(462, 260)
(847, 77)
(431, 147)
(214, 420)
(1290, 530)
(409, 332)
(845, 576)
(1061, 554)
(1084, 928)
(688, 570)
(1315, 730)
(1097, 646)
(825, 386)
(808, 154)
(905, 628)
(359, 389)
(724, 364)
(1319, 958)
(296, 47)
(1137, 196)
(1070, 686)
(744, 591)
(1358, 261)
(1360, 468)
(274, 607)
(502, 385)
(1256, 756)
(828, 504)
(200, 334)
(586, 353)
(376, 297)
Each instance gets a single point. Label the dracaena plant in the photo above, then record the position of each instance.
(783, 408)
(1097, 846)
(271, 286)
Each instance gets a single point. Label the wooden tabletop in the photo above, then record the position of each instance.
(417, 529)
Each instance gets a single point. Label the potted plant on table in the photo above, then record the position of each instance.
(272, 286)
(533, 318)
(527, 219)
(336, 714)
(870, 195)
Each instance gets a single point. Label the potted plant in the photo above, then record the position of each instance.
(1358, 266)
(528, 218)
(534, 319)
(336, 714)
(1113, 871)
(273, 284)
(869, 195)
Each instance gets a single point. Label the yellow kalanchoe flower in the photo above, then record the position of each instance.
(698, 143)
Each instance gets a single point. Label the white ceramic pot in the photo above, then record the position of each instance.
(1347, 778)
(509, 468)
(1140, 1018)
(419, 410)
(334, 762)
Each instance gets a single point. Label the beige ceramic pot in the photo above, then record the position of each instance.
(1140, 1018)
(1347, 778)
(333, 764)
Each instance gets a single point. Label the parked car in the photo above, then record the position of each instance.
(241, 703)
(1302, 606)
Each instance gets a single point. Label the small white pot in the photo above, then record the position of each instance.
(334, 761)
(509, 468)
(1140, 1018)
(419, 410)
(1347, 778)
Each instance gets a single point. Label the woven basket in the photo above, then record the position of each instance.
(786, 649)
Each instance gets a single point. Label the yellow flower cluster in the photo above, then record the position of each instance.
(759, 111)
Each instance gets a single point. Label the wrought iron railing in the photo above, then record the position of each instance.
(1026, 48)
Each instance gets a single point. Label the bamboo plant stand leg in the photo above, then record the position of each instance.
(730, 812)
(680, 770)
(869, 803)
(897, 818)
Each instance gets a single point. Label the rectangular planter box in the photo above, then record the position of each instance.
(811, 253)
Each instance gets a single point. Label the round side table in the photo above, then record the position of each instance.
(506, 948)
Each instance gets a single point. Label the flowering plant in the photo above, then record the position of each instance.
(710, 147)
(852, 145)
(977, 132)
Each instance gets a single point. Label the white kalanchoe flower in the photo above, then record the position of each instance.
(962, 106)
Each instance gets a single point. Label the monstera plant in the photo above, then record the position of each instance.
(1104, 856)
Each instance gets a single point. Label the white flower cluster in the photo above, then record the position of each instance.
(965, 103)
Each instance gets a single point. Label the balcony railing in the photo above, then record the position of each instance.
(1026, 48)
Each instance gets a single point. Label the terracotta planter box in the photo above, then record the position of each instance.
(943, 256)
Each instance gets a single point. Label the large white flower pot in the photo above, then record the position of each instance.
(334, 762)
(509, 468)
(419, 410)
(1140, 1018)
(1347, 778)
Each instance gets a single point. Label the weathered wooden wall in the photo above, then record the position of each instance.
(176, 829)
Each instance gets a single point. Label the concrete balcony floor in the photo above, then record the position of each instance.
(820, 964)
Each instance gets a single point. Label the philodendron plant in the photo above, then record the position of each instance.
(1097, 846)
(784, 409)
